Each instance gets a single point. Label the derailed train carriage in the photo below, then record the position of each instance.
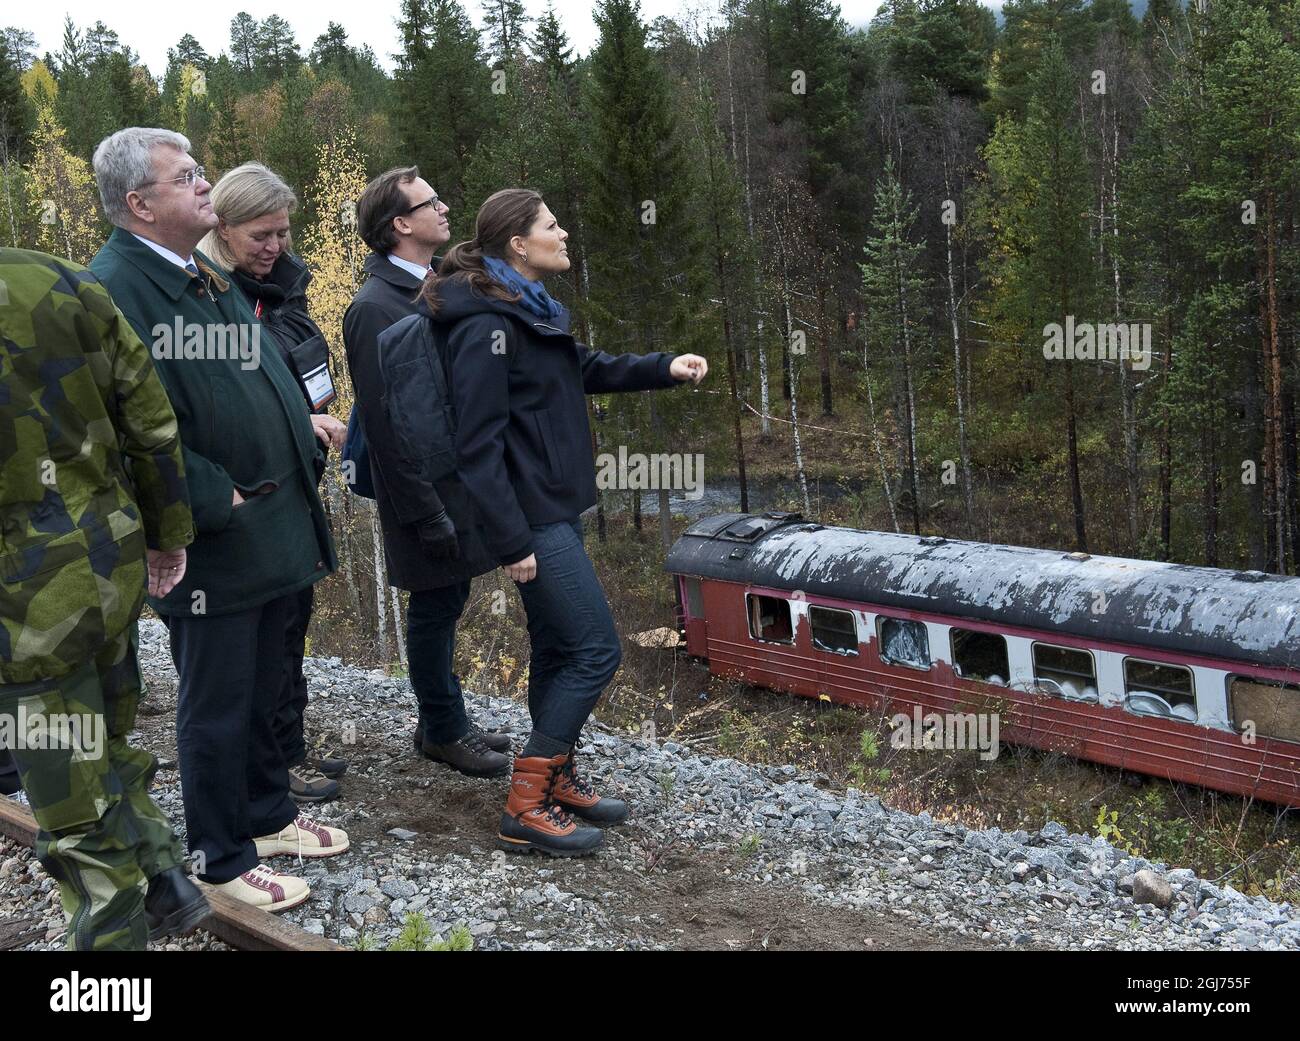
(1187, 673)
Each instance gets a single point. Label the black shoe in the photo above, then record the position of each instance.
(470, 756)
(496, 742)
(332, 768)
(173, 905)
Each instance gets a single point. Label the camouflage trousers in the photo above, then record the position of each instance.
(101, 835)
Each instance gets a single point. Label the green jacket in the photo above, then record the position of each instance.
(243, 423)
(79, 402)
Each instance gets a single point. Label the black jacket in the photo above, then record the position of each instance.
(388, 296)
(518, 385)
(282, 299)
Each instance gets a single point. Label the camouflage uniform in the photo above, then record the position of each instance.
(80, 403)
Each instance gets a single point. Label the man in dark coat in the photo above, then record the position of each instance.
(432, 536)
(251, 461)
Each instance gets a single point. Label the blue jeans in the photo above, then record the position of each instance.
(575, 650)
(431, 618)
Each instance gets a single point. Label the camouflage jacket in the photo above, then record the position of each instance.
(79, 404)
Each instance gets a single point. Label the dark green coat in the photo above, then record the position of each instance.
(243, 423)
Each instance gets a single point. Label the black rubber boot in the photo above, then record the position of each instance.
(173, 905)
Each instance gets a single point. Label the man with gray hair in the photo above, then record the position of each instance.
(251, 460)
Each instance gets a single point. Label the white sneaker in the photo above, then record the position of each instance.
(266, 889)
(304, 838)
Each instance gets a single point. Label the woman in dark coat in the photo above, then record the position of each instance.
(518, 382)
(252, 242)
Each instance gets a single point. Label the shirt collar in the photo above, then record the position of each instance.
(165, 253)
(418, 270)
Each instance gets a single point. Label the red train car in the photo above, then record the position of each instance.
(1187, 673)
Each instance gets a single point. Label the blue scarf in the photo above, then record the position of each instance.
(532, 294)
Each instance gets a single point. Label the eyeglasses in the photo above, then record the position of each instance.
(427, 202)
(194, 173)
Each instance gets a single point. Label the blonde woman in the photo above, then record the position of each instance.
(252, 241)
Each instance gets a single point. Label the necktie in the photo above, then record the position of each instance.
(192, 269)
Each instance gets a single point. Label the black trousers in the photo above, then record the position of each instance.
(293, 687)
(431, 618)
(234, 781)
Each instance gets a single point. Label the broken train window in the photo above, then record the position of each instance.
(833, 630)
(1271, 709)
(980, 656)
(904, 642)
(770, 619)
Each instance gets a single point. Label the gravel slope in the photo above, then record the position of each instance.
(718, 854)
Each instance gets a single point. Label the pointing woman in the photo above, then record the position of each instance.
(517, 382)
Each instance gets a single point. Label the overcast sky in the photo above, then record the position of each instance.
(370, 21)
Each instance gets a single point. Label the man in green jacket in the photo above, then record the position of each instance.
(79, 403)
(251, 459)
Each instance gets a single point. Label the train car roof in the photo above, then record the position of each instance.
(1240, 615)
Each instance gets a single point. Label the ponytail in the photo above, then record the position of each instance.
(464, 261)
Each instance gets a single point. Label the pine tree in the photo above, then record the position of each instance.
(645, 251)
(276, 51)
(16, 114)
(443, 94)
(1028, 25)
(21, 44)
(506, 27)
(938, 45)
(244, 43)
(895, 290)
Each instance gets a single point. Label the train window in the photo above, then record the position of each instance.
(1153, 688)
(694, 600)
(1272, 708)
(980, 656)
(904, 643)
(1065, 671)
(833, 631)
(769, 619)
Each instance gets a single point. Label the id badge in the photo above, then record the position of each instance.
(319, 386)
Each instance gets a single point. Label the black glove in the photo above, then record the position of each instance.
(438, 537)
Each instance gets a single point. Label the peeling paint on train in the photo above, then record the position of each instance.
(1245, 616)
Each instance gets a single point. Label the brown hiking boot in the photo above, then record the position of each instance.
(581, 800)
(532, 820)
(307, 784)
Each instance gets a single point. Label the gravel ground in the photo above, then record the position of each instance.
(717, 854)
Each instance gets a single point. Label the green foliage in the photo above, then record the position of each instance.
(863, 771)
(418, 935)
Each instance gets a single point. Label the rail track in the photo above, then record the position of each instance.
(231, 921)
